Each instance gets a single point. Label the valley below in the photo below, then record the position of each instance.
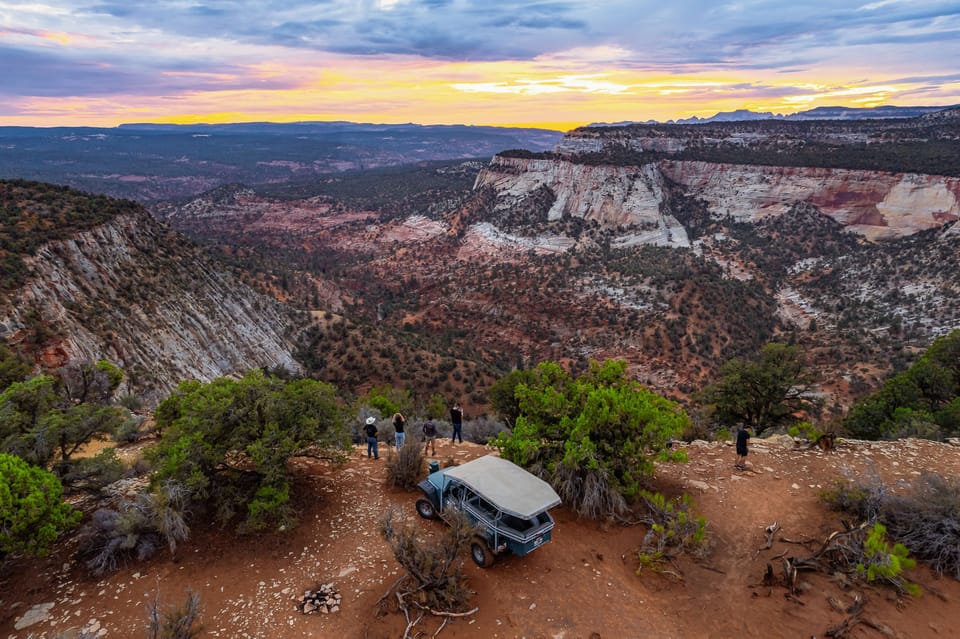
(593, 252)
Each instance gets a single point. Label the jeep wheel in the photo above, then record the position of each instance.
(426, 509)
(481, 553)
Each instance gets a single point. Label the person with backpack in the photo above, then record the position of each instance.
(371, 431)
(430, 437)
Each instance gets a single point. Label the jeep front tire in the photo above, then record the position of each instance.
(426, 509)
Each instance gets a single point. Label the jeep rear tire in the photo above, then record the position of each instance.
(480, 553)
(426, 509)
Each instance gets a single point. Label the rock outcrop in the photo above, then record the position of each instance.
(139, 295)
(613, 196)
(874, 204)
(877, 205)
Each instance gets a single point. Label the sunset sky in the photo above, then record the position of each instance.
(556, 64)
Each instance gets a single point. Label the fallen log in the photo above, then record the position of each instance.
(771, 532)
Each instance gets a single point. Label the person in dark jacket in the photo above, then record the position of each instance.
(370, 428)
(430, 437)
(456, 418)
(742, 436)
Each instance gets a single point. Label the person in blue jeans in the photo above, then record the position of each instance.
(456, 418)
(399, 422)
(371, 431)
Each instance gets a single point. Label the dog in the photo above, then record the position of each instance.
(827, 441)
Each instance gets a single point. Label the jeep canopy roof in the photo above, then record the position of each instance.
(506, 485)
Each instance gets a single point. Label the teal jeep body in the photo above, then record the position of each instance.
(508, 505)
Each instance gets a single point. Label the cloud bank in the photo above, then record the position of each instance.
(398, 58)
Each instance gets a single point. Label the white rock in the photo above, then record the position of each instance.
(37, 614)
(702, 486)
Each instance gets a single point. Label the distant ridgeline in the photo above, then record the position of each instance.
(150, 162)
(927, 144)
(34, 213)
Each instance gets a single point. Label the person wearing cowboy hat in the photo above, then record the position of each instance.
(371, 430)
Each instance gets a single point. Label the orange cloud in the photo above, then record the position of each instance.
(397, 89)
(61, 38)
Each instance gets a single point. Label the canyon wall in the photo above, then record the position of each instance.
(878, 205)
(139, 295)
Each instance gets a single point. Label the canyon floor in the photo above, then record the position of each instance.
(582, 585)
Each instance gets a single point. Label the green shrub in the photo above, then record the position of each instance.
(47, 419)
(919, 402)
(228, 442)
(595, 437)
(387, 400)
(93, 473)
(806, 430)
(270, 505)
(13, 368)
(131, 431)
(436, 406)
(131, 401)
(927, 520)
(672, 529)
(881, 562)
(763, 393)
(32, 513)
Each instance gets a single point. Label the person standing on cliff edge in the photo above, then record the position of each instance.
(399, 421)
(370, 430)
(742, 436)
(456, 418)
(430, 437)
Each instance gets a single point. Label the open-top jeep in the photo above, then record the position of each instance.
(507, 504)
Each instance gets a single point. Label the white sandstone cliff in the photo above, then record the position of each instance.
(875, 204)
(131, 292)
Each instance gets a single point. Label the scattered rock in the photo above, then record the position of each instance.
(702, 486)
(37, 614)
(325, 599)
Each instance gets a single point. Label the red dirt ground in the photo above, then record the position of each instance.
(582, 585)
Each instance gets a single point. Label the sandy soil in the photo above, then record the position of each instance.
(582, 585)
